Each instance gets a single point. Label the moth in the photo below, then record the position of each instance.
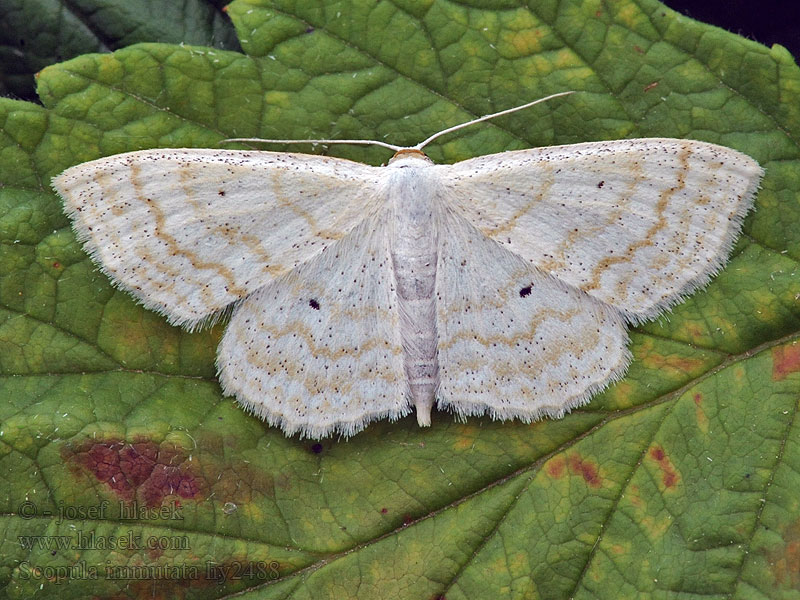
(498, 285)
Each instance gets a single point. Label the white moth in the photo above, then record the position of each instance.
(501, 284)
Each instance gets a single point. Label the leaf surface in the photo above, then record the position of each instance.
(36, 33)
(680, 480)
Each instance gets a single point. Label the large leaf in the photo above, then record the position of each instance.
(679, 481)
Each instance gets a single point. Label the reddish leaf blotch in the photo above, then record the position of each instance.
(785, 361)
(586, 468)
(670, 476)
(143, 470)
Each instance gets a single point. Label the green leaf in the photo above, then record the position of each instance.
(37, 33)
(679, 481)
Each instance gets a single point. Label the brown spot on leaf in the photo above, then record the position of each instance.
(585, 468)
(166, 481)
(785, 361)
(466, 437)
(678, 364)
(231, 479)
(700, 413)
(143, 471)
(695, 332)
(669, 476)
(634, 497)
(784, 559)
(555, 467)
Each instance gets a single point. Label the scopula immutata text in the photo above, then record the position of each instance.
(500, 284)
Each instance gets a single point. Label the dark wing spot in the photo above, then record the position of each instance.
(313, 304)
(601, 184)
(525, 292)
(221, 192)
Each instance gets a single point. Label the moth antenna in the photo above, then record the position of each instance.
(421, 145)
(270, 141)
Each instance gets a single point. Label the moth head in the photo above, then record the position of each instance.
(410, 157)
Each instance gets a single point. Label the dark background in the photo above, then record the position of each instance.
(765, 21)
